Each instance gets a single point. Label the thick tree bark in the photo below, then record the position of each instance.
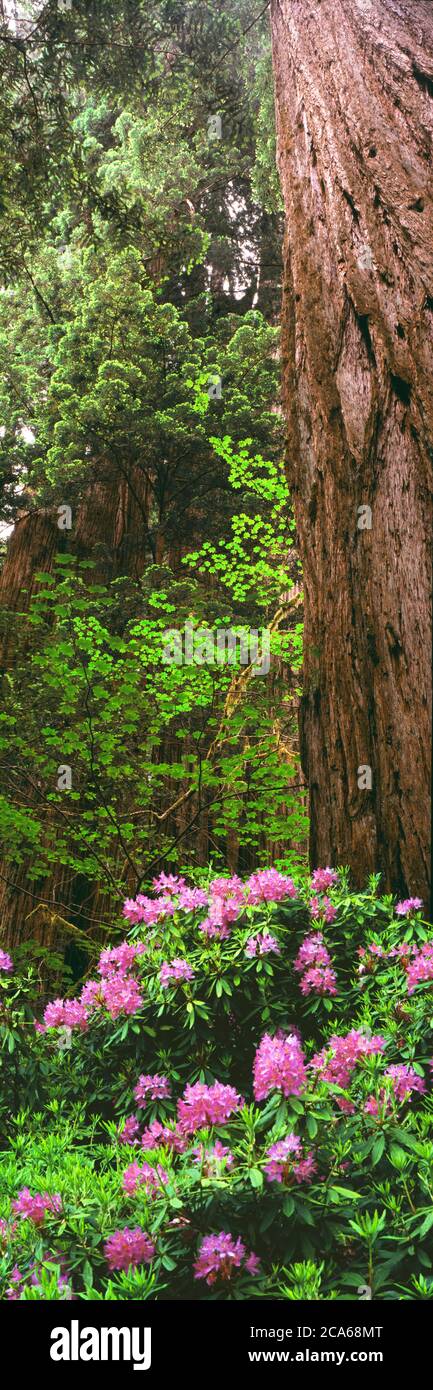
(354, 101)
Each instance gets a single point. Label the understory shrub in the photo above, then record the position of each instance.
(235, 1102)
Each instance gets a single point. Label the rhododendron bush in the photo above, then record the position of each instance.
(234, 1102)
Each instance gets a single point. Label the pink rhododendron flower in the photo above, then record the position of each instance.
(346, 1106)
(158, 1136)
(13, 1293)
(379, 1106)
(314, 960)
(151, 1088)
(227, 887)
(319, 979)
(168, 883)
(374, 952)
(408, 905)
(224, 910)
(191, 898)
(119, 958)
(420, 968)
(312, 952)
(404, 949)
(121, 995)
(129, 1133)
(92, 994)
(66, 1013)
(214, 1161)
(371, 1106)
(290, 1145)
(213, 931)
(220, 1256)
(227, 900)
(336, 1062)
(323, 878)
(134, 911)
(176, 971)
(33, 1279)
(323, 908)
(304, 1170)
(6, 962)
(405, 1080)
(261, 945)
(287, 1163)
(128, 1248)
(35, 1208)
(152, 1179)
(202, 1106)
(148, 910)
(117, 991)
(279, 1065)
(269, 886)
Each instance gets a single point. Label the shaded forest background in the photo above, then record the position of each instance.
(141, 260)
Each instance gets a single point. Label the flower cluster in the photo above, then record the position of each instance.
(151, 1088)
(19, 1282)
(152, 1179)
(148, 910)
(191, 898)
(169, 884)
(314, 964)
(35, 1208)
(262, 945)
(286, 1162)
(374, 952)
(202, 1106)
(119, 958)
(120, 995)
(129, 1132)
(269, 886)
(220, 1256)
(336, 1062)
(279, 1065)
(158, 1136)
(215, 1161)
(226, 902)
(405, 1080)
(225, 899)
(175, 971)
(66, 1013)
(420, 968)
(322, 907)
(322, 879)
(6, 962)
(408, 905)
(117, 991)
(128, 1248)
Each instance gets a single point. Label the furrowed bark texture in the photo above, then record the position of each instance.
(354, 103)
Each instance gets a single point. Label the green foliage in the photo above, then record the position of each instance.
(365, 1216)
(95, 691)
(134, 257)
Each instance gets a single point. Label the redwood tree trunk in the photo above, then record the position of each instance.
(354, 101)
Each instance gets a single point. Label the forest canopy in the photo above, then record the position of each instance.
(142, 450)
